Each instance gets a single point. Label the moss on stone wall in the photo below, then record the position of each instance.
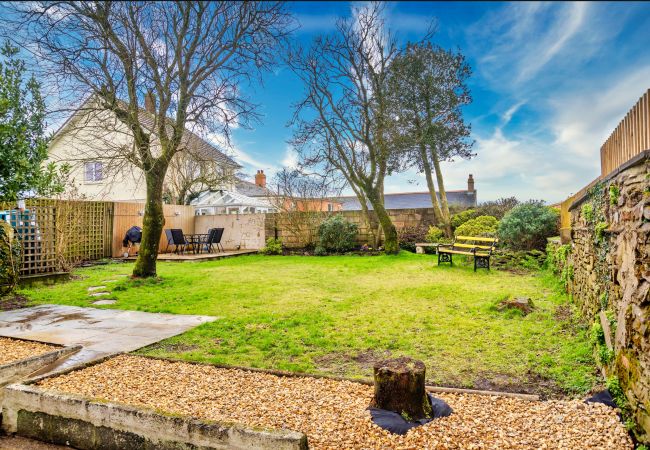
(608, 269)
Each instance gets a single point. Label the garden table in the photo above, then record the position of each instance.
(197, 240)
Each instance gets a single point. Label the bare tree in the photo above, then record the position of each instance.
(344, 119)
(191, 173)
(193, 57)
(427, 90)
(301, 200)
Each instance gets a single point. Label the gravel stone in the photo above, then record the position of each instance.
(333, 413)
(14, 350)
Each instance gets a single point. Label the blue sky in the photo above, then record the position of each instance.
(550, 82)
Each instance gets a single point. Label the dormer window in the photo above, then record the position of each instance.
(93, 171)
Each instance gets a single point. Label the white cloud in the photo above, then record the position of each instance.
(290, 159)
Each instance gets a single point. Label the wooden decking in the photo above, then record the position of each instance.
(189, 256)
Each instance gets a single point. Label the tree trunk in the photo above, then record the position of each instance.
(437, 212)
(366, 214)
(391, 245)
(152, 225)
(446, 219)
(399, 387)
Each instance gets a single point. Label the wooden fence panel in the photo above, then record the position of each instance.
(629, 138)
(56, 234)
(128, 214)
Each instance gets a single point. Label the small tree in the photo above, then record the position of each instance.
(336, 234)
(427, 91)
(527, 226)
(23, 145)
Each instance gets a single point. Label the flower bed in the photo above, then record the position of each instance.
(333, 413)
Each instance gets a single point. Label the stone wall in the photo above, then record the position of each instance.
(609, 270)
(300, 229)
(245, 231)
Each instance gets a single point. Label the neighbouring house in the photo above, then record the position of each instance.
(96, 145)
(412, 200)
(249, 198)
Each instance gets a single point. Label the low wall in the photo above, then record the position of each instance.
(609, 271)
(299, 229)
(19, 370)
(62, 419)
(243, 230)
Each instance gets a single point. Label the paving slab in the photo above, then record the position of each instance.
(101, 332)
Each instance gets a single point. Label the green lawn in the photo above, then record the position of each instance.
(337, 315)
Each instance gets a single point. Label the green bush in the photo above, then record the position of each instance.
(337, 235)
(9, 259)
(527, 226)
(434, 234)
(480, 226)
(273, 247)
(462, 217)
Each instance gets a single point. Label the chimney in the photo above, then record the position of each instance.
(470, 183)
(150, 102)
(260, 179)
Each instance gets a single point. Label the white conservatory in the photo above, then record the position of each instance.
(230, 202)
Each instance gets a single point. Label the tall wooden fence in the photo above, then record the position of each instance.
(631, 137)
(127, 215)
(56, 234)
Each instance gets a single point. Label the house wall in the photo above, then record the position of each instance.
(244, 230)
(94, 136)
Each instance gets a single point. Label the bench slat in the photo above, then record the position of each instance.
(486, 247)
(476, 238)
(461, 252)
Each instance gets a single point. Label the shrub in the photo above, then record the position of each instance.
(434, 234)
(320, 251)
(9, 258)
(480, 226)
(409, 236)
(337, 235)
(462, 217)
(273, 247)
(527, 226)
(497, 208)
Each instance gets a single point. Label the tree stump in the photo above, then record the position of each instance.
(399, 387)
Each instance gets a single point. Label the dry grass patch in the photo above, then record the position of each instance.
(14, 350)
(333, 413)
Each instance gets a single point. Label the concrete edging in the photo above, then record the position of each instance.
(65, 419)
(21, 369)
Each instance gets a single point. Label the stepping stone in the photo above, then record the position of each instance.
(96, 288)
(110, 281)
(99, 294)
(104, 302)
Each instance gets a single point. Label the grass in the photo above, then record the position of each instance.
(337, 315)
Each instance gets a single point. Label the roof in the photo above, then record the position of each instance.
(190, 139)
(410, 200)
(251, 189)
(228, 198)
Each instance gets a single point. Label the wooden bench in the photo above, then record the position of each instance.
(480, 248)
(419, 247)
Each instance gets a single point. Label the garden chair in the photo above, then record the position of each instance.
(176, 237)
(214, 238)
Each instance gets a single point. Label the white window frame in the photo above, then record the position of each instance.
(96, 170)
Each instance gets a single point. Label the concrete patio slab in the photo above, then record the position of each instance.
(101, 332)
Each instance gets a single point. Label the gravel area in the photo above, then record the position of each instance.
(333, 413)
(14, 349)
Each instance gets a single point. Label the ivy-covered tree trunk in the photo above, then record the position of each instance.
(446, 217)
(391, 244)
(152, 224)
(9, 259)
